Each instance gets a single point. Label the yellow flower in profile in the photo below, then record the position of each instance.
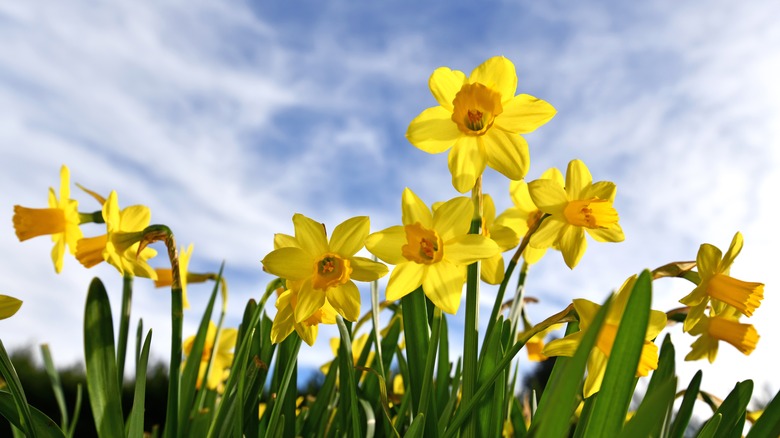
(322, 269)
(580, 206)
(431, 250)
(9, 306)
(597, 361)
(480, 118)
(165, 275)
(716, 284)
(524, 214)
(723, 327)
(223, 355)
(535, 345)
(284, 321)
(61, 220)
(119, 246)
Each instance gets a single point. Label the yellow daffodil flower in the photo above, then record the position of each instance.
(492, 269)
(358, 344)
(223, 355)
(578, 207)
(323, 269)
(431, 250)
(284, 321)
(480, 118)
(597, 361)
(524, 215)
(9, 306)
(722, 327)
(535, 345)
(61, 220)
(165, 275)
(717, 286)
(119, 246)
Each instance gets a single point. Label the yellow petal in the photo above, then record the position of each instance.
(414, 210)
(573, 245)
(577, 178)
(445, 84)
(284, 240)
(470, 248)
(364, 269)
(532, 255)
(433, 131)
(707, 260)
(613, 233)
(505, 237)
(695, 314)
(507, 153)
(111, 212)
(656, 324)
(443, 284)
(307, 332)
(731, 253)
(386, 244)
(283, 325)
(9, 306)
(597, 364)
(309, 301)
(548, 196)
(135, 218)
(586, 310)
(405, 278)
(64, 183)
(453, 218)
(565, 346)
(492, 270)
(524, 113)
(548, 234)
(290, 263)
(58, 254)
(310, 235)
(350, 236)
(701, 347)
(466, 161)
(601, 190)
(346, 300)
(488, 211)
(499, 74)
(518, 191)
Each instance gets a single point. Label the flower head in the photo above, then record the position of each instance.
(597, 361)
(431, 250)
(580, 206)
(60, 220)
(724, 327)
(284, 321)
(322, 269)
(480, 118)
(718, 287)
(119, 246)
(222, 352)
(524, 215)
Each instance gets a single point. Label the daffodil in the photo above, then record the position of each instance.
(535, 345)
(718, 286)
(358, 344)
(492, 269)
(323, 269)
(119, 246)
(9, 306)
(60, 220)
(165, 275)
(284, 321)
(431, 250)
(580, 206)
(597, 361)
(524, 214)
(723, 327)
(481, 119)
(222, 352)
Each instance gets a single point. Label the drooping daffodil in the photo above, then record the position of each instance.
(722, 327)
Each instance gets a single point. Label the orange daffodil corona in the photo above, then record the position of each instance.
(319, 275)
(579, 206)
(431, 250)
(597, 361)
(481, 119)
(61, 220)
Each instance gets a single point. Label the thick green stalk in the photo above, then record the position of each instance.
(471, 327)
(124, 326)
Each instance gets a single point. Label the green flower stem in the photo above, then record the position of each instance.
(124, 325)
(96, 217)
(471, 328)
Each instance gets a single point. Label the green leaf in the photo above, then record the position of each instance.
(321, 403)
(659, 381)
(102, 379)
(559, 400)
(348, 397)
(428, 400)
(650, 415)
(443, 367)
(733, 409)
(135, 422)
(686, 407)
(769, 422)
(711, 427)
(56, 385)
(174, 367)
(22, 409)
(287, 364)
(44, 427)
(489, 362)
(417, 429)
(415, 319)
(446, 413)
(619, 382)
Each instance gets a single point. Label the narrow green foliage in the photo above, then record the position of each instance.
(124, 325)
(428, 400)
(172, 409)
(38, 424)
(619, 381)
(415, 319)
(711, 427)
(348, 402)
(135, 422)
(287, 363)
(686, 407)
(56, 385)
(443, 368)
(493, 404)
(22, 409)
(651, 414)
(417, 429)
(733, 410)
(769, 422)
(449, 408)
(560, 399)
(102, 377)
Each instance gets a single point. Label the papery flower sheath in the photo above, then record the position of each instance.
(718, 287)
(581, 206)
(481, 119)
(60, 220)
(431, 250)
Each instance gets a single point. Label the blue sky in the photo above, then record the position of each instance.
(227, 117)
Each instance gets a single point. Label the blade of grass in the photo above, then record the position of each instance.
(289, 369)
(56, 385)
(348, 403)
(124, 325)
(686, 407)
(135, 421)
(22, 409)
